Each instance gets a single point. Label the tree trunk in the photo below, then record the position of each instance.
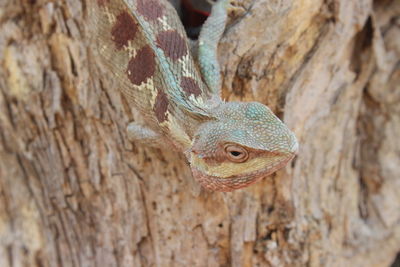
(75, 192)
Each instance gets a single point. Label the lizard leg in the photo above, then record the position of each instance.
(144, 135)
(210, 35)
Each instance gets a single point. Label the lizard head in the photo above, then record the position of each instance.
(242, 144)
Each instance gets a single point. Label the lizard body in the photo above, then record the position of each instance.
(229, 144)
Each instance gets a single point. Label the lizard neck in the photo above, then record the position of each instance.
(183, 122)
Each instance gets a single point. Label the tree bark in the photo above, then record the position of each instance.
(75, 192)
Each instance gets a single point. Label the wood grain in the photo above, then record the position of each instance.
(75, 192)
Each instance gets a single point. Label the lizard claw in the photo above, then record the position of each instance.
(234, 7)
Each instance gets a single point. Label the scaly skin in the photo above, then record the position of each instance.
(229, 144)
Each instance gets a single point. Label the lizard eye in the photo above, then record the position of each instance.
(236, 153)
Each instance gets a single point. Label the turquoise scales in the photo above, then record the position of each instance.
(229, 144)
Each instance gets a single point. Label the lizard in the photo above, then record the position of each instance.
(176, 87)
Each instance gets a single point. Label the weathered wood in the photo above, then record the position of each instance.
(75, 192)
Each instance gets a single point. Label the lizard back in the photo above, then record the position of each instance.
(144, 44)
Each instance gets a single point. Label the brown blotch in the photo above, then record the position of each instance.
(190, 86)
(161, 106)
(172, 43)
(150, 9)
(142, 66)
(124, 29)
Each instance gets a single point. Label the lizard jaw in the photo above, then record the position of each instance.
(228, 184)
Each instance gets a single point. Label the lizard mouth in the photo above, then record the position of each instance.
(214, 183)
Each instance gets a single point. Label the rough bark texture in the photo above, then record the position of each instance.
(75, 192)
